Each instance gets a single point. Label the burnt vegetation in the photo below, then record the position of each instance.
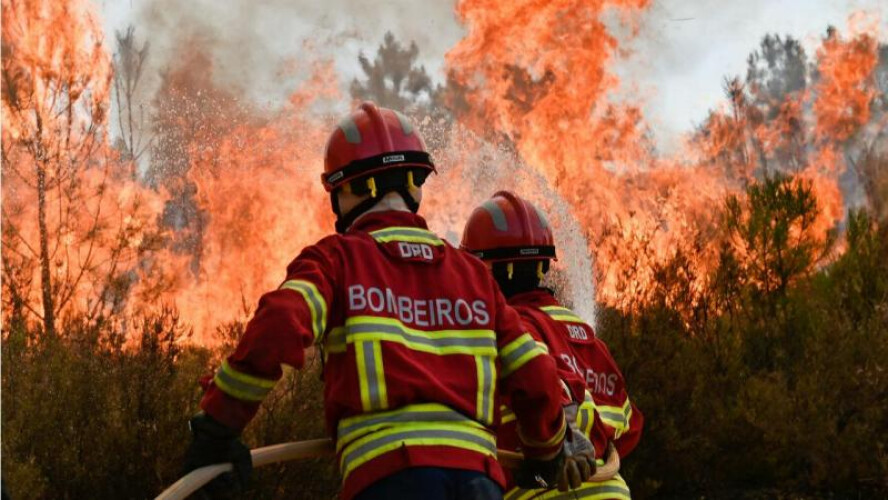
(769, 380)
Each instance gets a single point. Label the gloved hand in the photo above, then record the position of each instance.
(574, 464)
(579, 461)
(214, 443)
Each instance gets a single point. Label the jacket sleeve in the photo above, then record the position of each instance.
(529, 379)
(287, 321)
(546, 338)
(620, 416)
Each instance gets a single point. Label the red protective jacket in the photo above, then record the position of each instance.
(590, 377)
(577, 349)
(416, 337)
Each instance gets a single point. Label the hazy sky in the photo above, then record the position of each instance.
(689, 46)
(677, 64)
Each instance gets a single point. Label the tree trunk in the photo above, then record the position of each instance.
(45, 264)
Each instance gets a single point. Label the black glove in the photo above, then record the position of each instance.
(573, 465)
(214, 443)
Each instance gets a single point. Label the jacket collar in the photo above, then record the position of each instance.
(535, 298)
(389, 218)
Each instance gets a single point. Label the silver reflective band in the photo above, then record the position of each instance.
(350, 432)
(238, 389)
(350, 129)
(376, 402)
(592, 492)
(433, 342)
(365, 448)
(405, 123)
(584, 419)
(516, 354)
(316, 303)
(585, 491)
(621, 417)
(486, 389)
(496, 213)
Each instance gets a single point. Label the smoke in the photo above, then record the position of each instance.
(685, 47)
(263, 50)
(464, 161)
(592, 171)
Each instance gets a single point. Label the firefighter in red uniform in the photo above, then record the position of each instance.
(418, 342)
(515, 239)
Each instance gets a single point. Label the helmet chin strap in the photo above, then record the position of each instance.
(519, 277)
(343, 222)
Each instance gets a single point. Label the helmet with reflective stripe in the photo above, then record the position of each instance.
(508, 228)
(370, 142)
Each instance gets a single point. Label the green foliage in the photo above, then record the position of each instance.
(101, 412)
(775, 381)
(293, 412)
(774, 232)
(777, 69)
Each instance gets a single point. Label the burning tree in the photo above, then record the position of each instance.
(128, 64)
(71, 231)
(189, 117)
(392, 78)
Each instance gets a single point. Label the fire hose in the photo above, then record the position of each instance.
(315, 448)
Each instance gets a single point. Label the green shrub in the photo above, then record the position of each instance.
(782, 387)
(771, 382)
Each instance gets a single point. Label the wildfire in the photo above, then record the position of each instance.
(72, 228)
(258, 185)
(232, 193)
(540, 72)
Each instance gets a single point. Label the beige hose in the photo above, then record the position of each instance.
(315, 448)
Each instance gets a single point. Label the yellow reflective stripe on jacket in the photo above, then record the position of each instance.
(440, 342)
(559, 313)
(519, 494)
(549, 442)
(371, 376)
(517, 353)
(586, 414)
(452, 434)
(240, 385)
(316, 304)
(615, 416)
(408, 234)
(352, 428)
(506, 415)
(615, 488)
(485, 368)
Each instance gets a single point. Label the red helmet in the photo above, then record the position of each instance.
(506, 228)
(370, 141)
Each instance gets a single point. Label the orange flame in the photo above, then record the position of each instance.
(531, 86)
(72, 228)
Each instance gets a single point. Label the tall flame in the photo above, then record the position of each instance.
(541, 72)
(72, 228)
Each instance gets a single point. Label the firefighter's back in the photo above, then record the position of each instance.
(410, 353)
(415, 335)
